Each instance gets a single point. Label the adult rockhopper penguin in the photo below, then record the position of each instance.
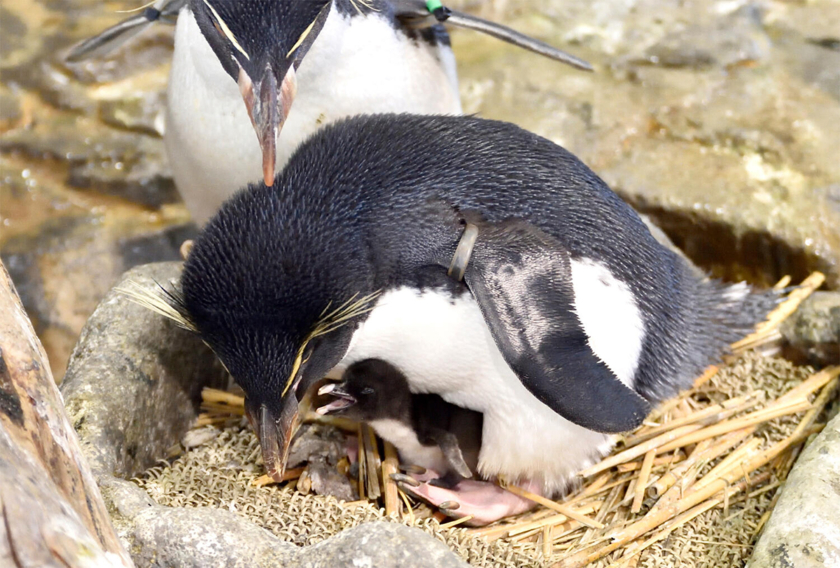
(283, 69)
(569, 322)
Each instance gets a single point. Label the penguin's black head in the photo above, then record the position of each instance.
(369, 390)
(277, 296)
(260, 43)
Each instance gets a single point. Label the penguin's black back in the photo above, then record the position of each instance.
(389, 175)
(383, 169)
(377, 197)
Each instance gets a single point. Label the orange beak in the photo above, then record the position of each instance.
(268, 107)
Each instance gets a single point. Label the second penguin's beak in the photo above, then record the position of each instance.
(275, 431)
(268, 106)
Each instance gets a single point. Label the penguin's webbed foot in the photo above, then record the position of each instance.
(485, 502)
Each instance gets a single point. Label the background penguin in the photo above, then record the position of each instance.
(570, 321)
(336, 58)
(426, 430)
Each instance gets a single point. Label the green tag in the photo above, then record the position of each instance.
(432, 5)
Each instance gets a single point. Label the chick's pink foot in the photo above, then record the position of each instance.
(485, 501)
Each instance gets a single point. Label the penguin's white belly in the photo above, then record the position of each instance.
(364, 68)
(411, 450)
(444, 346)
(211, 145)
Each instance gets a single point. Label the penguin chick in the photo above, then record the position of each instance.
(426, 430)
(570, 322)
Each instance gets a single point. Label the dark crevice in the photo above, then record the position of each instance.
(9, 399)
(757, 257)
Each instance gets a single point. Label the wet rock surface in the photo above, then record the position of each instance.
(62, 272)
(721, 119)
(85, 191)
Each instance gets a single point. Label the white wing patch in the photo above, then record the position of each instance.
(610, 317)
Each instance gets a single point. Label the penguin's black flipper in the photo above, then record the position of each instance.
(516, 38)
(522, 281)
(415, 13)
(448, 444)
(115, 36)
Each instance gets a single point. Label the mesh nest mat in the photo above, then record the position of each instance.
(692, 487)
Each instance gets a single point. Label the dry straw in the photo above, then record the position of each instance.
(704, 451)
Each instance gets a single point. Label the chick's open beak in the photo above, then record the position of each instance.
(268, 106)
(341, 398)
(275, 433)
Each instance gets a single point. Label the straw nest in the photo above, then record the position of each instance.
(692, 487)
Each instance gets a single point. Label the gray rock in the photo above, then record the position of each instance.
(803, 531)
(201, 538)
(801, 19)
(9, 108)
(731, 40)
(190, 538)
(816, 321)
(380, 545)
(814, 330)
(14, 30)
(107, 161)
(134, 381)
(141, 113)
